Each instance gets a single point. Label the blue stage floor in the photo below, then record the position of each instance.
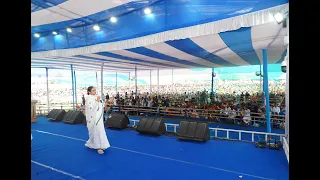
(58, 152)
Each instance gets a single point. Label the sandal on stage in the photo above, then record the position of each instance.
(100, 151)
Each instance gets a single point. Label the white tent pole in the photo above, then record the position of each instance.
(287, 85)
(47, 79)
(116, 82)
(129, 82)
(158, 81)
(136, 79)
(172, 80)
(75, 86)
(72, 82)
(102, 79)
(150, 82)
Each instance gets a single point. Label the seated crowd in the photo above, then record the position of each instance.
(243, 109)
(237, 102)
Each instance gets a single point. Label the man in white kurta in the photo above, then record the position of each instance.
(94, 116)
(247, 116)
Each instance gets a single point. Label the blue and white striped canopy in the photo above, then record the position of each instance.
(178, 34)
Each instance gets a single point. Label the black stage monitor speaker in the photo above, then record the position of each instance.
(196, 131)
(51, 113)
(151, 125)
(118, 121)
(74, 117)
(56, 115)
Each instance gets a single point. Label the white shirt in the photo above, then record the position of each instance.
(276, 110)
(227, 110)
(247, 113)
(233, 114)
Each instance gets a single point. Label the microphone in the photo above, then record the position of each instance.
(100, 98)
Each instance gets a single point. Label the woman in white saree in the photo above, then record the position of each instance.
(94, 115)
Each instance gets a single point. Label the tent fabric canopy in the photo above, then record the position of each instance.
(193, 34)
(234, 48)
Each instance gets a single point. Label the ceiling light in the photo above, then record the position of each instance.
(147, 11)
(113, 19)
(69, 30)
(96, 28)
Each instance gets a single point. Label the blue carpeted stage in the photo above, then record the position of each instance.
(58, 152)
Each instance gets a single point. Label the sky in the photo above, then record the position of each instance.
(83, 78)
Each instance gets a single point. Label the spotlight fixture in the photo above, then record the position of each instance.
(113, 19)
(281, 17)
(37, 35)
(96, 27)
(54, 33)
(147, 11)
(259, 74)
(284, 65)
(278, 17)
(214, 74)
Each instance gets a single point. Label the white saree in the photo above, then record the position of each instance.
(94, 116)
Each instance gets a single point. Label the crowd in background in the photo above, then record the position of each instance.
(237, 100)
(62, 94)
(232, 108)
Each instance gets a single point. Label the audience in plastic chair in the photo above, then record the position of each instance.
(247, 116)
